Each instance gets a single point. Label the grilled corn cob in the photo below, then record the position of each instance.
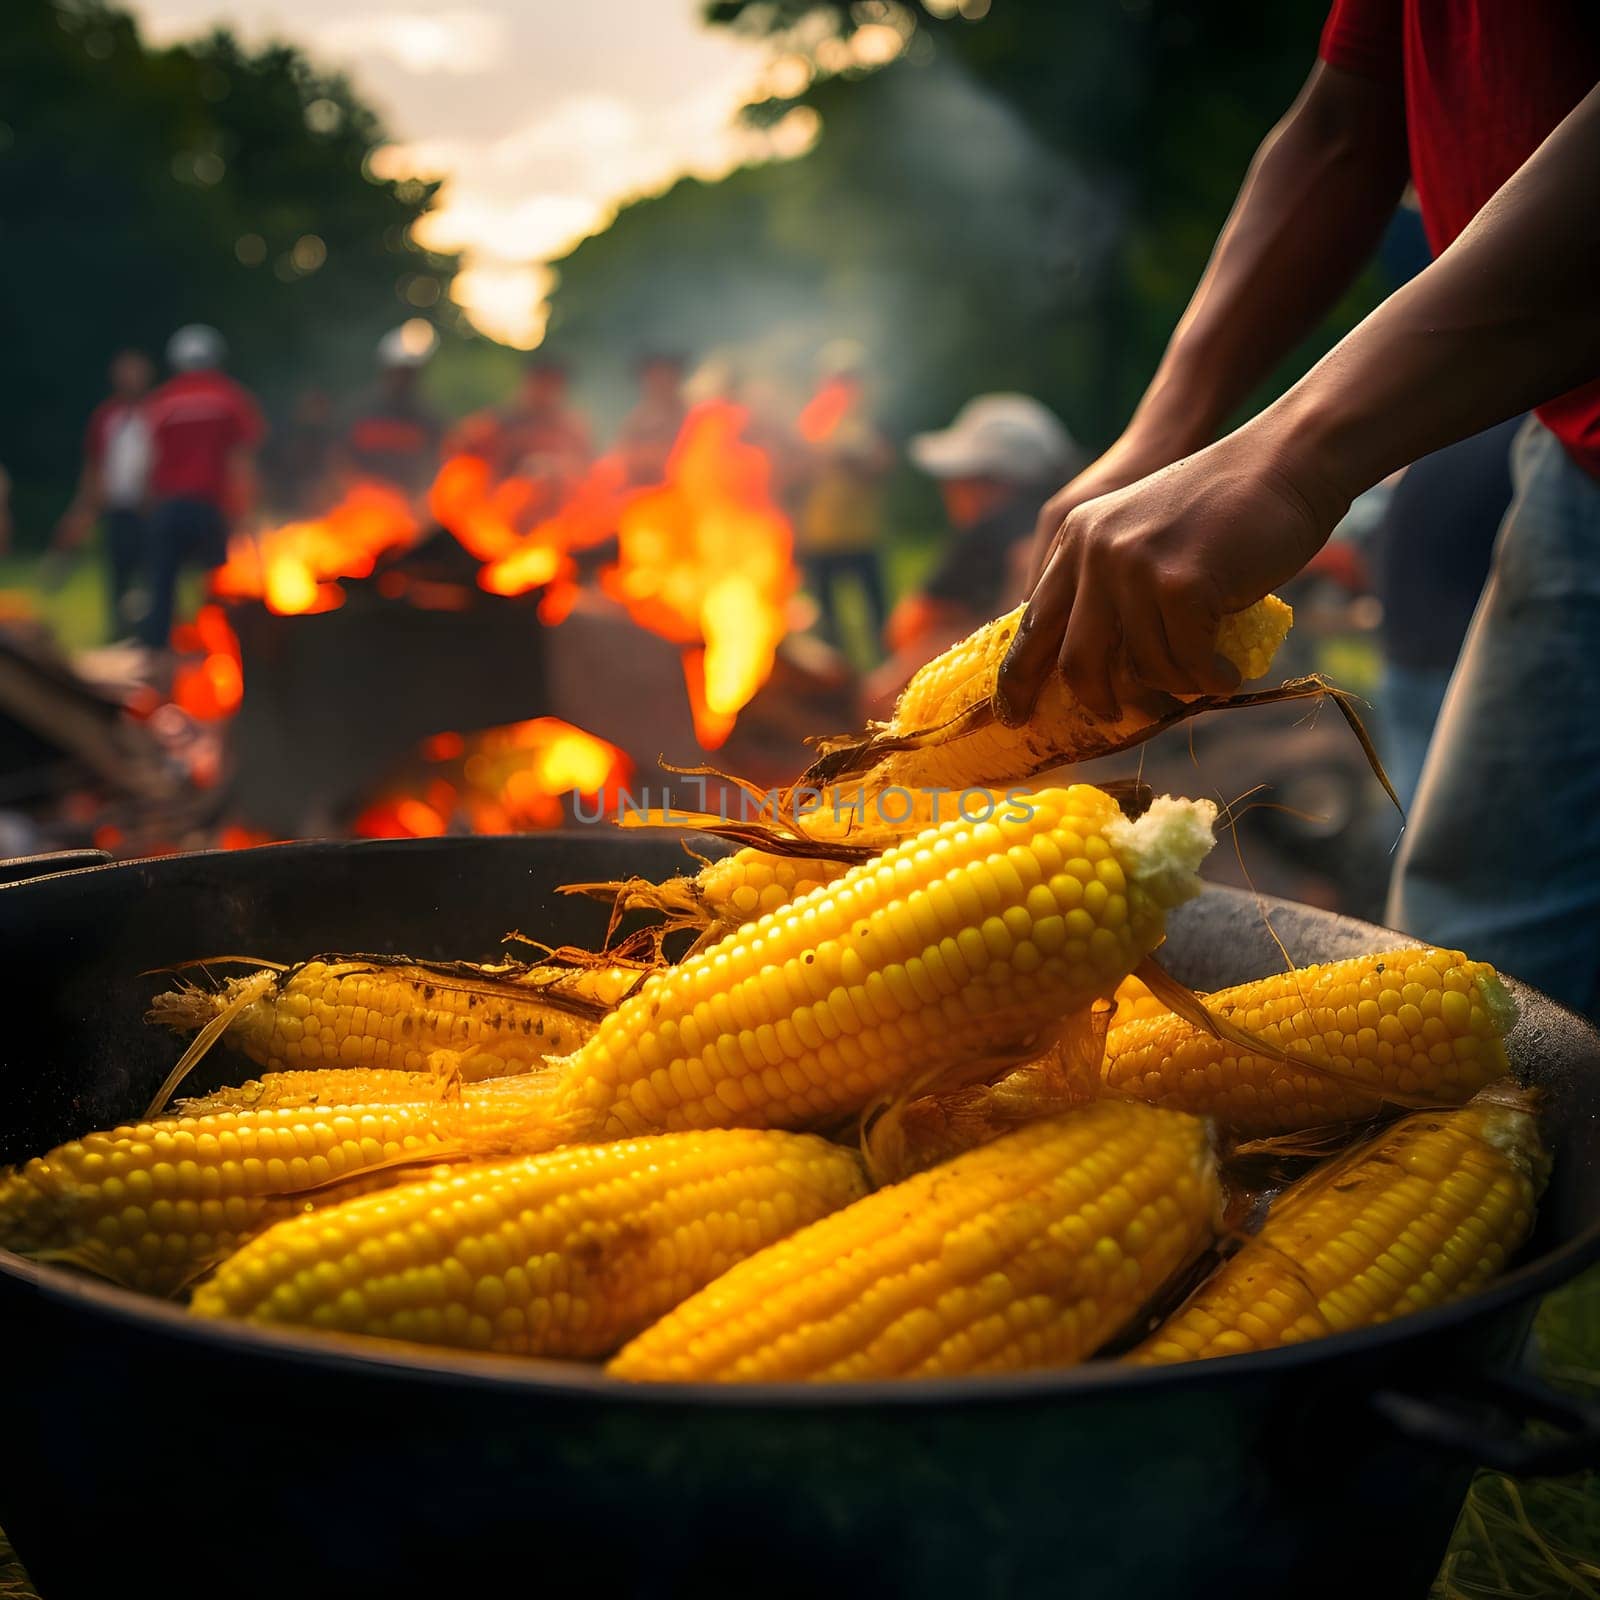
(944, 734)
(1416, 1022)
(405, 1016)
(565, 1254)
(150, 1204)
(1030, 1252)
(725, 894)
(1429, 1210)
(959, 943)
(322, 1086)
(1135, 1001)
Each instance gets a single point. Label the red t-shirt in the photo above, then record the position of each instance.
(197, 421)
(1485, 81)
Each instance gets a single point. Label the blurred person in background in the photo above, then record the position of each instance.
(651, 429)
(994, 465)
(112, 488)
(538, 437)
(1430, 554)
(205, 430)
(301, 457)
(1494, 113)
(844, 460)
(393, 434)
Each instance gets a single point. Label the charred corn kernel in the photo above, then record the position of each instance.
(1431, 1209)
(1412, 1022)
(1061, 728)
(322, 1086)
(399, 1016)
(962, 940)
(1135, 1001)
(1032, 1251)
(565, 1254)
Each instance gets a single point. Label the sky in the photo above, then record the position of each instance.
(539, 115)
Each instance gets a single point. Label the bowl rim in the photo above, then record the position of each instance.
(567, 1380)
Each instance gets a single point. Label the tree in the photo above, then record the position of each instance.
(142, 188)
(1023, 201)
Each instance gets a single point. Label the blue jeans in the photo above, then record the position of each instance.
(1409, 700)
(182, 533)
(1502, 854)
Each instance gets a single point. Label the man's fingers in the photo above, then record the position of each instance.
(1191, 627)
(1033, 652)
(1089, 651)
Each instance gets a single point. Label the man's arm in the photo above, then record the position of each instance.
(1506, 318)
(1312, 207)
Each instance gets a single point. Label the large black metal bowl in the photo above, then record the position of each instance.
(146, 1453)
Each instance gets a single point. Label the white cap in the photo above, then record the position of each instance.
(410, 345)
(1007, 436)
(195, 347)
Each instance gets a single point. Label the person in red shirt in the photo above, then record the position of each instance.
(1493, 112)
(205, 430)
(113, 486)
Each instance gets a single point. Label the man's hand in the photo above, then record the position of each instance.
(1139, 579)
(1127, 461)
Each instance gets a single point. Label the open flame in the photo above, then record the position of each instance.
(293, 568)
(510, 779)
(210, 688)
(705, 559)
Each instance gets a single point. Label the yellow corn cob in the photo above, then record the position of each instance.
(1429, 1210)
(322, 1086)
(1032, 1251)
(566, 1254)
(151, 1204)
(1415, 1022)
(961, 942)
(1061, 728)
(404, 1016)
(725, 894)
(1135, 1001)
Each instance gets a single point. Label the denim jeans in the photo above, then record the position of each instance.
(182, 533)
(1501, 857)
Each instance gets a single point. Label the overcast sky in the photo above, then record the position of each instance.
(540, 114)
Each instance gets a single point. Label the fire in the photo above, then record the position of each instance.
(213, 687)
(294, 568)
(705, 560)
(510, 779)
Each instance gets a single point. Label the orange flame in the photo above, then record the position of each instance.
(509, 779)
(293, 568)
(213, 687)
(706, 560)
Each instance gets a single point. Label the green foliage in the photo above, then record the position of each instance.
(142, 188)
(1024, 201)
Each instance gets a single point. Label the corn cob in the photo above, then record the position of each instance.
(480, 1022)
(151, 1204)
(944, 734)
(1135, 1001)
(565, 1254)
(322, 1086)
(962, 942)
(1414, 1022)
(1032, 1251)
(1429, 1210)
(724, 895)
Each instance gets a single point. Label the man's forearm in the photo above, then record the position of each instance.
(1505, 319)
(1310, 211)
